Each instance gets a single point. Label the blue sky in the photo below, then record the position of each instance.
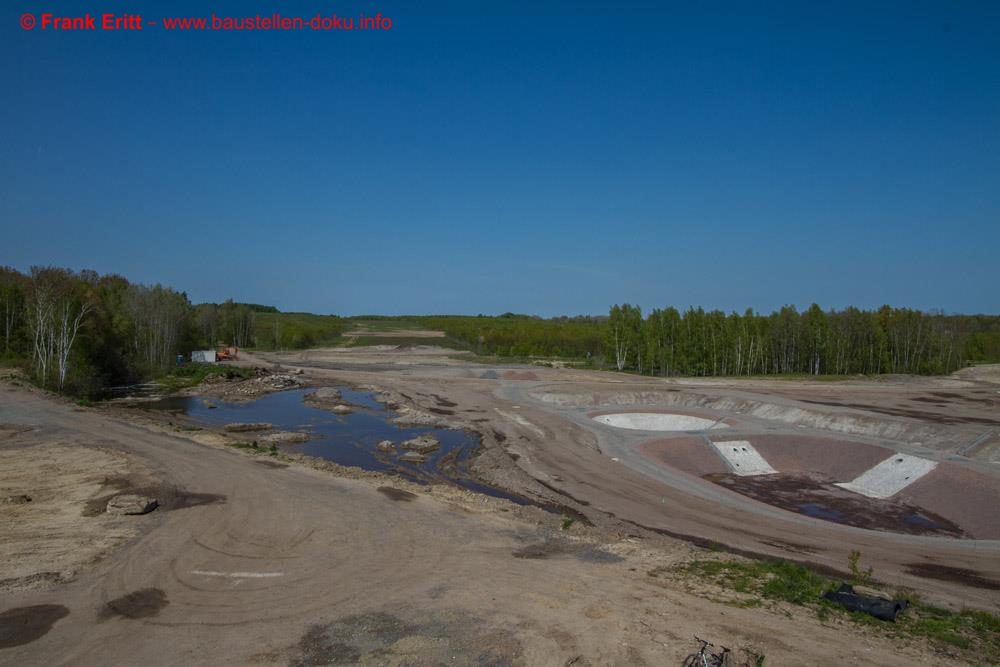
(550, 158)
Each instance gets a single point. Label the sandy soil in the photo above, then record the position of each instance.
(44, 540)
(270, 561)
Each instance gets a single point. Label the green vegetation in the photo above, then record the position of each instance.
(78, 333)
(782, 581)
(522, 336)
(190, 375)
(296, 331)
(815, 342)
(772, 580)
(264, 327)
(859, 577)
(255, 448)
(245, 445)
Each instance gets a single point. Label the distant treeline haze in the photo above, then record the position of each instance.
(78, 332)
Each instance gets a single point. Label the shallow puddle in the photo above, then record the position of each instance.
(350, 439)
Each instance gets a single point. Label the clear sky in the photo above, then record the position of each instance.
(549, 158)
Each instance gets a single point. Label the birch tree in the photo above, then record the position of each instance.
(69, 319)
(157, 315)
(56, 312)
(625, 329)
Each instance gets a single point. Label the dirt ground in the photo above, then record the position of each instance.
(286, 561)
(51, 482)
(396, 333)
(539, 440)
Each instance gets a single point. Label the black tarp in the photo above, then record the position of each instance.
(886, 610)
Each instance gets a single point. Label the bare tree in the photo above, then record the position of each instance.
(41, 308)
(67, 326)
(243, 323)
(625, 331)
(55, 315)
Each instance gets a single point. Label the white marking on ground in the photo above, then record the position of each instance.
(522, 421)
(238, 575)
(658, 421)
(742, 458)
(890, 476)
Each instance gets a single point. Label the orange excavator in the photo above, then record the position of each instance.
(227, 353)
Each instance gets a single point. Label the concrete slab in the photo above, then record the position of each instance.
(657, 421)
(742, 458)
(890, 476)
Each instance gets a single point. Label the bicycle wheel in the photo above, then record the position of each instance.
(723, 659)
(693, 660)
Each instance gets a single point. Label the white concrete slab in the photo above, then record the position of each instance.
(890, 476)
(657, 421)
(742, 458)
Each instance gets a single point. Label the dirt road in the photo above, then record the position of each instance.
(250, 563)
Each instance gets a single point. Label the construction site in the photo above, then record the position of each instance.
(500, 334)
(596, 490)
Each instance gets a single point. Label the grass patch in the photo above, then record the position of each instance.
(245, 445)
(190, 375)
(782, 581)
(271, 450)
(772, 580)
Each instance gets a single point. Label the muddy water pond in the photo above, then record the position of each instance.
(822, 499)
(349, 439)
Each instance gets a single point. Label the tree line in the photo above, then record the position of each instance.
(696, 342)
(80, 332)
(512, 335)
(850, 341)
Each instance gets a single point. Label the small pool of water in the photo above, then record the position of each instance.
(922, 521)
(349, 440)
(819, 511)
